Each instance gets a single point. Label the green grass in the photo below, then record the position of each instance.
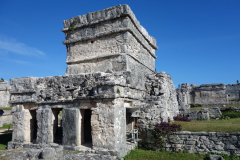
(200, 108)
(4, 139)
(225, 126)
(231, 114)
(5, 126)
(164, 155)
(5, 108)
(75, 152)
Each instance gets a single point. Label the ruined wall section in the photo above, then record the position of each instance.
(211, 94)
(205, 94)
(233, 91)
(160, 103)
(4, 94)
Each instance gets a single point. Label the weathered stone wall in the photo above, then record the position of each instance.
(4, 94)
(195, 115)
(233, 91)
(205, 142)
(159, 105)
(5, 117)
(206, 94)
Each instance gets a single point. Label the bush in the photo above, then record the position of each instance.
(195, 105)
(231, 114)
(181, 118)
(162, 131)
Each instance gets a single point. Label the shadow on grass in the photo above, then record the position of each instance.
(4, 139)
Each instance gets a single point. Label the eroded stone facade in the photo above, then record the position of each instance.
(4, 94)
(111, 70)
(205, 94)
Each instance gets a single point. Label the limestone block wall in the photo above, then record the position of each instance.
(205, 94)
(233, 91)
(4, 94)
(205, 142)
(159, 105)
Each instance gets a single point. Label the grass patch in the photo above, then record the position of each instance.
(6, 108)
(154, 155)
(5, 126)
(231, 114)
(224, 126)
(4, 139)
(200, 108)
(75, 152)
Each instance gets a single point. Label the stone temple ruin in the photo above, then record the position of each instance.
(110, 87)
(207, 94)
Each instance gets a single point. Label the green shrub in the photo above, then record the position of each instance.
(231, 114)
(195, 105)
(162, 131)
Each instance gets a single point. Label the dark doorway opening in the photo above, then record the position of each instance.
(87, 126)
(33, 126)
(57, 127)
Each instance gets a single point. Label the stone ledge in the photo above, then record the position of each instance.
(112, 13)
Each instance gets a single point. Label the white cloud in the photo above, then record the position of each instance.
(12, 45)
(16, 61)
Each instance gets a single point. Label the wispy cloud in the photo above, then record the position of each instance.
(12, 45)
(16, 61)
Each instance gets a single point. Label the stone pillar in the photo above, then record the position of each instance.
(104, 125)
(18, 123)
(45, 125)
(71, 126)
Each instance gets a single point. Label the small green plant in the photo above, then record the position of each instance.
(76, 152)
(118, 91)
(195, 105)
(1, 80)
(237, 81)
(73, 24)
(225, 117)
(179, 86)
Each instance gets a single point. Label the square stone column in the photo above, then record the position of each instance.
(71, 126)
(18, 123)
(45, 125)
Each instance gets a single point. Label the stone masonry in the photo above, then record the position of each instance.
(4, 94)
(110, 72)
(205, 94)
(203, 142)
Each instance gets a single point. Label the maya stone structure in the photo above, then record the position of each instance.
(4, 94)
(207, 94)
(110, 75)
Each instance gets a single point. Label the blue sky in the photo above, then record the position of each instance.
(198, 40)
